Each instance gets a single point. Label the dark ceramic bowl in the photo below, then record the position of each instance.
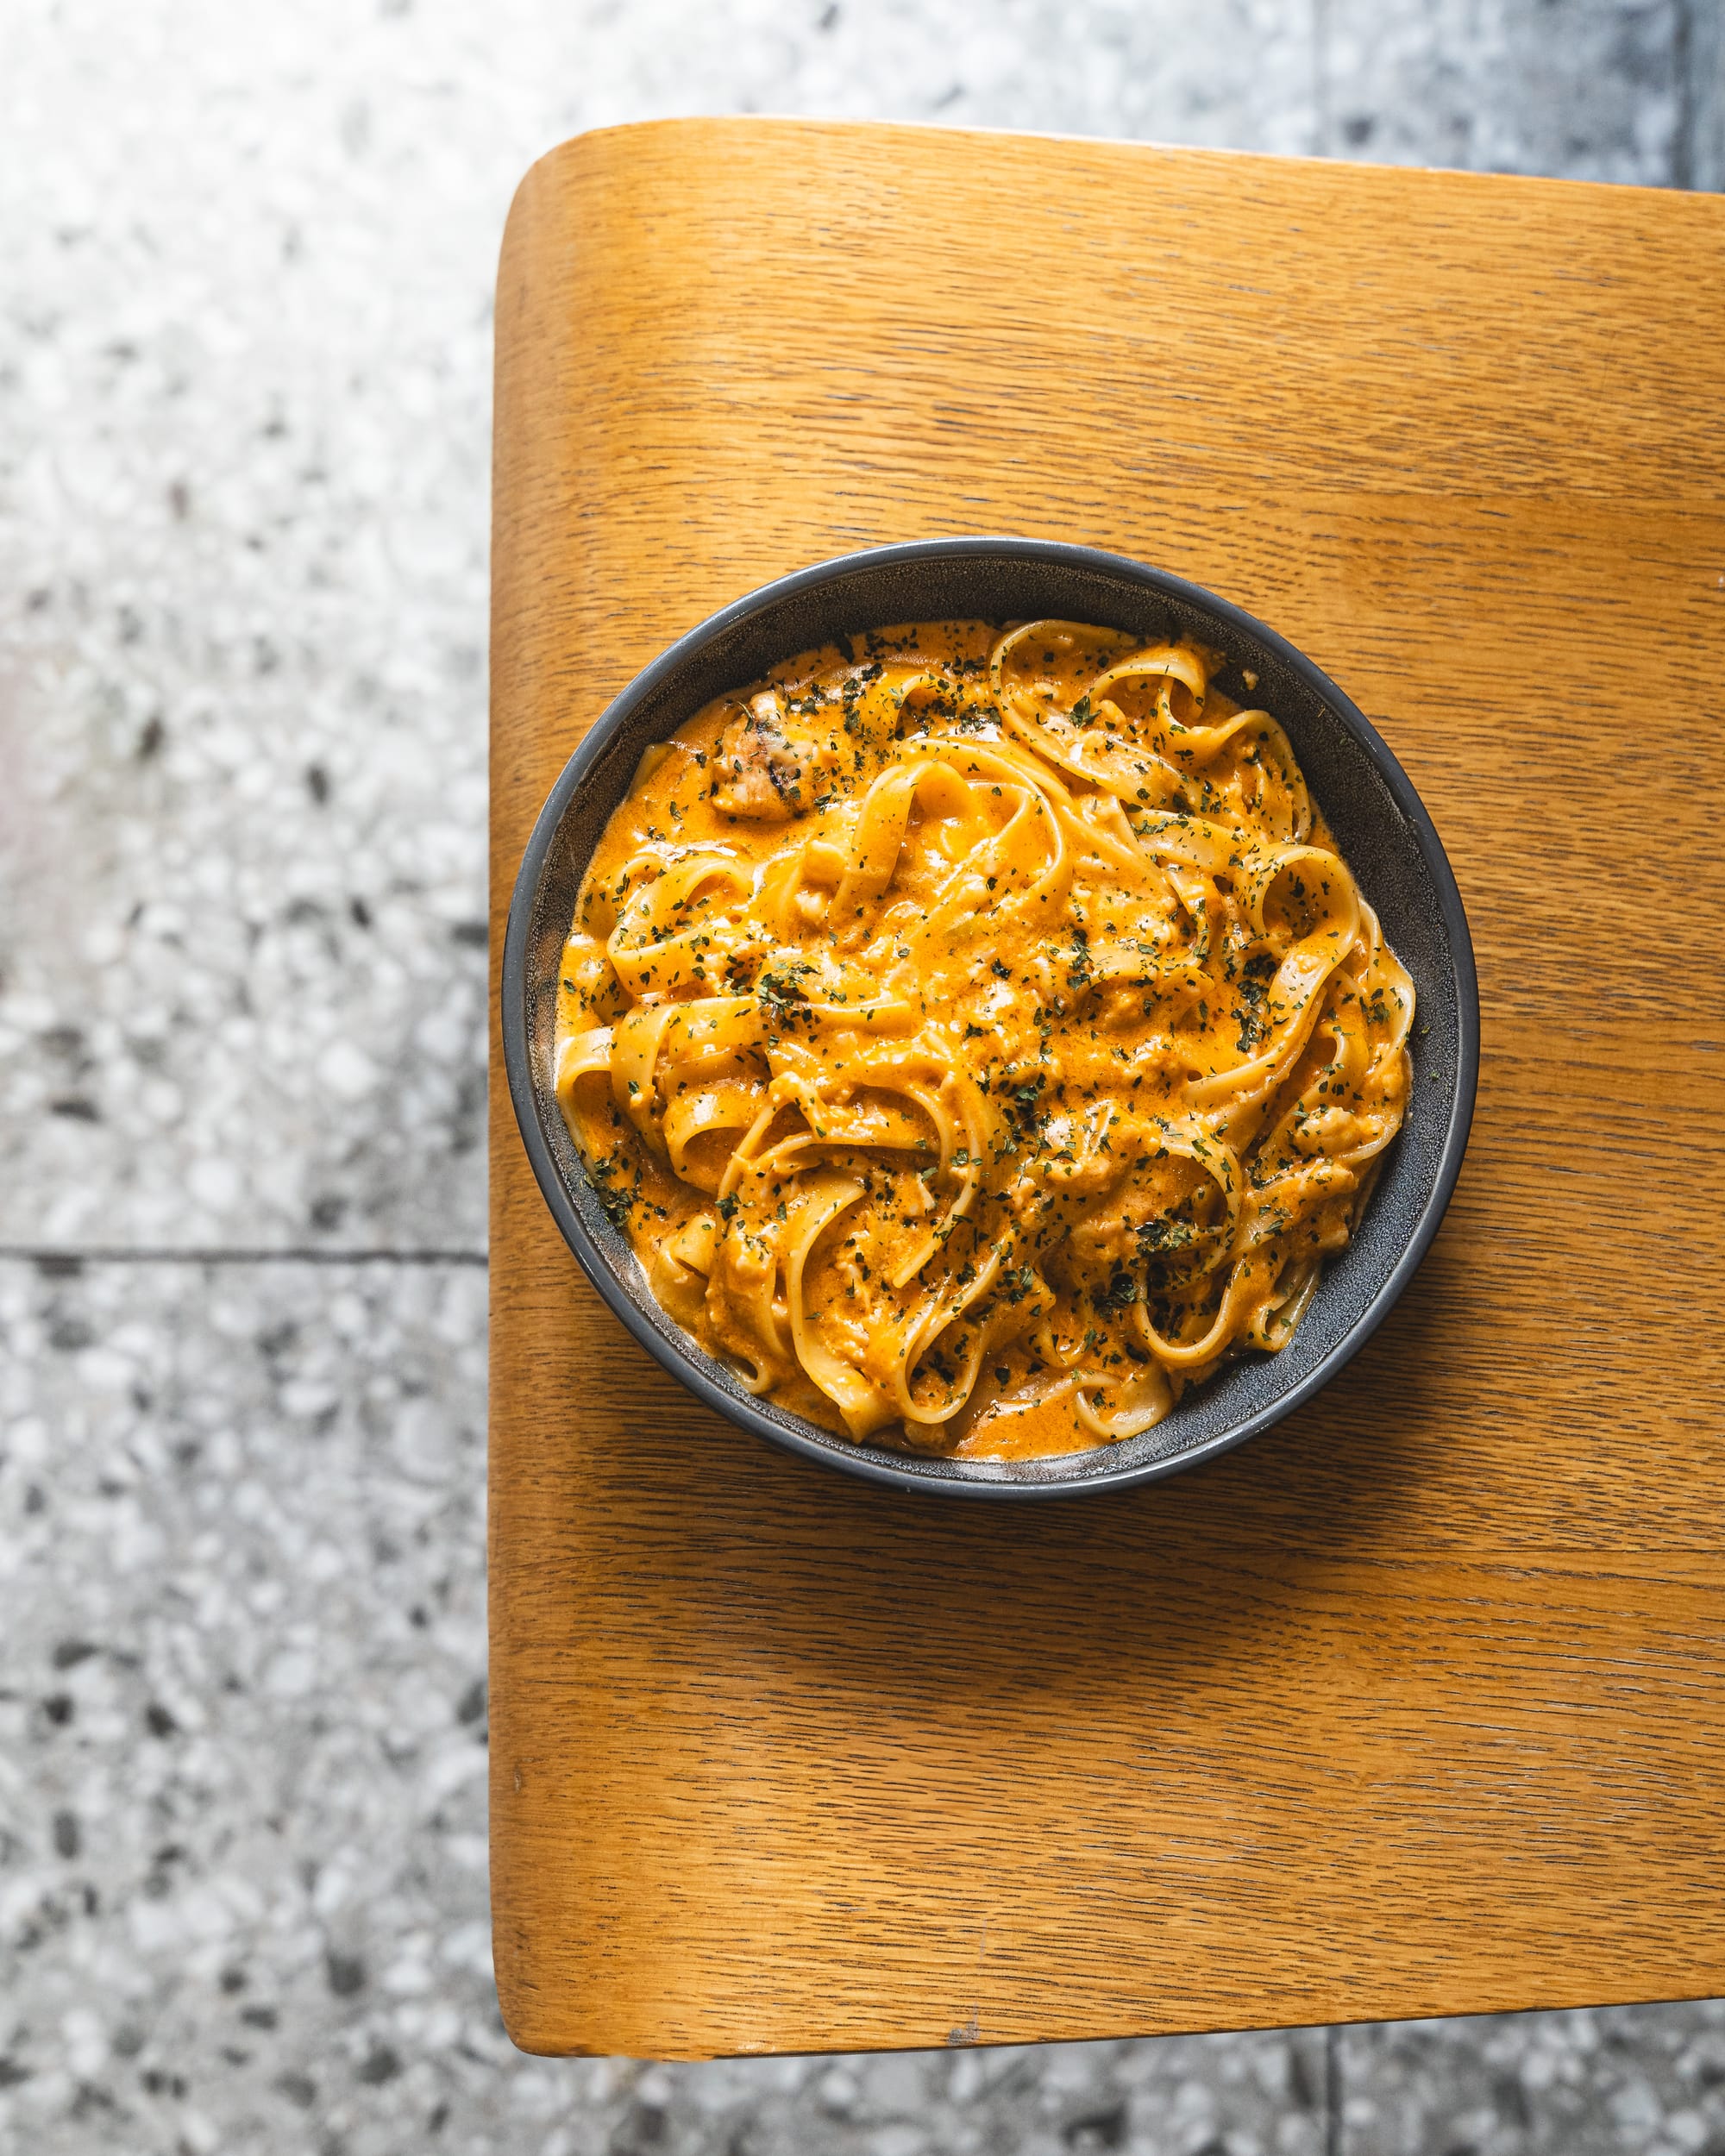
(1385, 834)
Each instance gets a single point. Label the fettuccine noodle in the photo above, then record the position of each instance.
(979, 1036)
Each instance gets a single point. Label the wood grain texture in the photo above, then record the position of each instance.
(1414, 1706)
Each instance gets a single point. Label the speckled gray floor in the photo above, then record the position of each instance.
(244, 376)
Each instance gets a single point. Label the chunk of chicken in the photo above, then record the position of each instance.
(763, 771)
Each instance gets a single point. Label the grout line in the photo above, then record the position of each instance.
(1320, 77)
(1705, 94)
(1332, 2093)
(1683, 69)
(52, 1259)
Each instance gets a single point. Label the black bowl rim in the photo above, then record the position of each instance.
(877, 1466)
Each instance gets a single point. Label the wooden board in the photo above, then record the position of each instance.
(1414, 1706)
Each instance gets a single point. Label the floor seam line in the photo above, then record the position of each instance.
(51, 1255)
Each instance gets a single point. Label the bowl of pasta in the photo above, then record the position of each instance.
(991, 1016)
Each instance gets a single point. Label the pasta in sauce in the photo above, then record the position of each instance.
(979, 1036)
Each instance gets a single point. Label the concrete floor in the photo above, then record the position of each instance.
(244, 383)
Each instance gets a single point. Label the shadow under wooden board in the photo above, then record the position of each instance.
(1414, 1706)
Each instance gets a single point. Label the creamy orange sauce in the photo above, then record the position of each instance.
(978, 1035)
